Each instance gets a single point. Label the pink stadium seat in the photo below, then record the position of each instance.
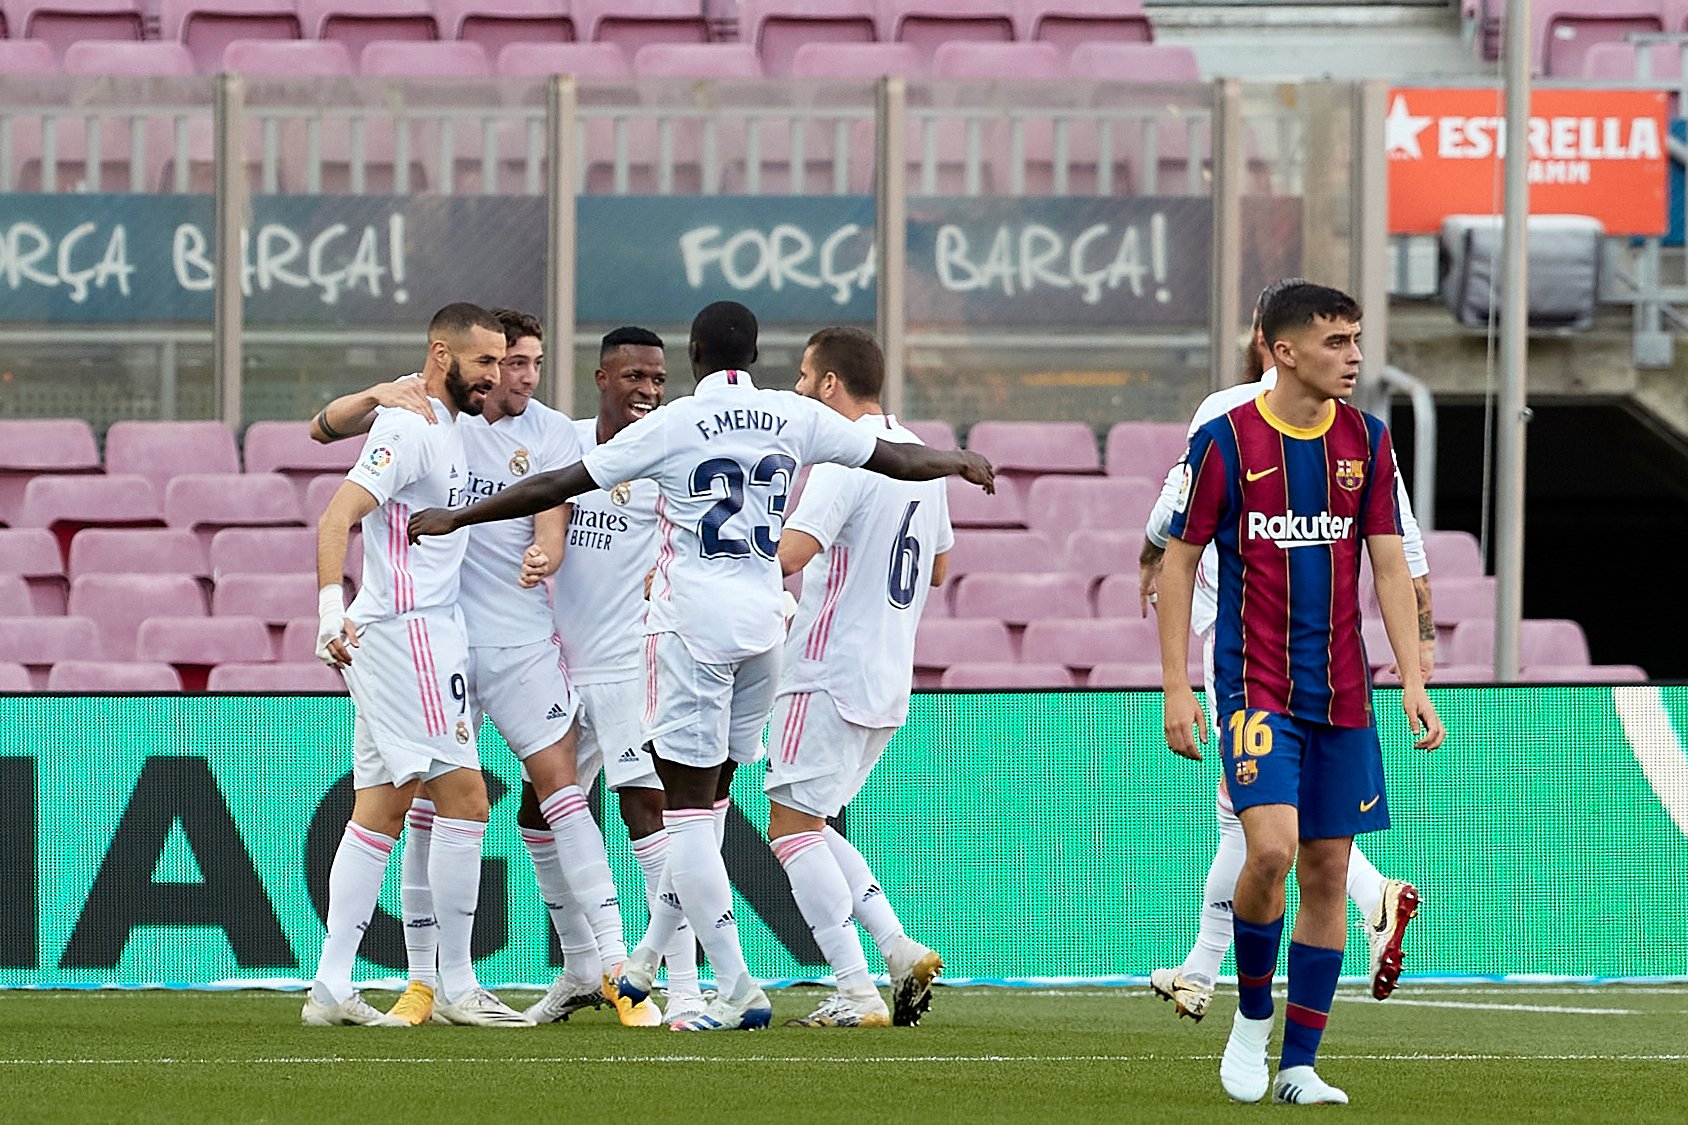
(287, 448)
(1145, 449)
(632, 26)
(971, 506)
(1096, 552)
(99, 676)
(1135, 62)
(27, 57)
(697, 60)
(1125, 675)
(1116, 595)
(927, 24)
(1452, 554)
(118, 603)
(974, 676)
(938, 644)
(358, 23)
(294, 677)
(263, 550)
(1453, 600)
(1036, 447)
(160, 451)
(318, 493)
(145, 550)
(1562, 31)
(1552, 642)
(286, 58)
(934, 432)
(40, 642)
(965, 59)
(205, 503)
(777, 29)
(274, 599)
(45, 445)
(1002, 552)
(32, 554)
(406, 58)
(859, 61)
(1058, 506)
(60, 23)
(15, 599)
(209, 26)
(298, 641)
(1376, 639)
(1584, 674)
(1621, 62)
(147, 59)
(15, 677)
(1455, 674)
(1073, 23)
(583, 60)
(1084, 644)
(65, 505)
(495, 24)
(1019, 598)
(196, 644)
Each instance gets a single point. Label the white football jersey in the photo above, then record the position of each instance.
(409, 465)
(498, 612)
(1204, 608)
(599, 592)
(723, 460)
(853, 636)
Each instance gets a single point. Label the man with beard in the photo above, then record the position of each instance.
(403, 650)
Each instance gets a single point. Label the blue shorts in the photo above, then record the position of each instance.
(1332, 775)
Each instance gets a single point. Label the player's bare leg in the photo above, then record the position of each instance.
(1315, 961)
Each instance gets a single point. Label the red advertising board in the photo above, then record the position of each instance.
(1592, 152)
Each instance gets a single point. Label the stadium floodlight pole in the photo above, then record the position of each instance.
(1369, 244)
(228, 305)
(562, 152)
(1226, 260)
(1512, 414)
(891, 232)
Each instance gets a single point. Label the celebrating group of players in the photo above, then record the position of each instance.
(665, 641)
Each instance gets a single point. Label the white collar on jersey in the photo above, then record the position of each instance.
(719, 381)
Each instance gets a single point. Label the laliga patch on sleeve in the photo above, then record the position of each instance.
(376, 460)
(1184, 477)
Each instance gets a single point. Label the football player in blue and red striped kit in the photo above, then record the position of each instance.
(1289, 486)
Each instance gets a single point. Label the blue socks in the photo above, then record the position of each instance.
(1312, 986)
(1257, 959)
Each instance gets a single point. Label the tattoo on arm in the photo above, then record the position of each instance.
(1426, 620)
(1426, 626)
(1150, 554)
(322, 421)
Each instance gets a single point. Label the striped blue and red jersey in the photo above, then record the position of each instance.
(1289, 509)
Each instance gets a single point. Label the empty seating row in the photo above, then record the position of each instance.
(1568, 38)
(82, 676)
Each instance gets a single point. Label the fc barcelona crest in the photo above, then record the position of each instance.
(1350, 473)
(519, 463)
(1247, 771)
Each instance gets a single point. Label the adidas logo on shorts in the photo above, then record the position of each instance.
(628, 755)
(556, 711)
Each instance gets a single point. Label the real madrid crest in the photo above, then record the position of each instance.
(463, 732)
(1350, 473)
(519, 463)
(622, 493)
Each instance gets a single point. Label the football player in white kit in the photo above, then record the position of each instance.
(517, 677)
(1387, 905)
(599, 605)
(723, 459)
(870, 549)
(402, 648)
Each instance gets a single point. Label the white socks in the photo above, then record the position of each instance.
(700, 879)
(574, 933)
(1365, 883)
(454, 872)
(1213, 940)
(580, 848)
(867, 899)
(823, 896)
(680, 952)
(416, 898)
(354, 883)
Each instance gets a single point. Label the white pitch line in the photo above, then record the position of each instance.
(1473, 1006)
(804, 1060)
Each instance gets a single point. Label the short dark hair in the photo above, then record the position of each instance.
(518, 324)
(1297, 306)
(1271, 291)
(627, 336)
(854, 356)
(724, 336)
(456, 319)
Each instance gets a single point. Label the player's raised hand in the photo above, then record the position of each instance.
(1427, 728)
(977, 469)
(1183, 715)
(431, 521)
(535, 566)
(405, 394)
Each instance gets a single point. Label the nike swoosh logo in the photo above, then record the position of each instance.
(1367, 806)
(1253, 476)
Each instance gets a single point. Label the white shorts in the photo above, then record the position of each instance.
(817, 760)
(408, 681)
(699, 714)
(611, 738)
(526, 693)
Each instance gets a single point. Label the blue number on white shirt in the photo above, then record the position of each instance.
(905, 563)
(776, 469)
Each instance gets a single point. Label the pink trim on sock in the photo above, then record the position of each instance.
(671, 817)
(788, 848)
(456, 828)
(534, 837)
(564, 802)
(373, 839)
(722, 805)
(656, 841)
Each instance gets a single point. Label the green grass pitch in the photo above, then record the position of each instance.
(1455, 1054)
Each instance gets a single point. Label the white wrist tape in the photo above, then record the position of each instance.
(331, 607)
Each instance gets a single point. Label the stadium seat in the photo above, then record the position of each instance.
(964, 59)
(1036, 447)
(1098, 552)
(1144, 449)
(274, 599)
(1548, 642)
(1453, 600)
(65, 505)
(32, 446)
(161, 451)
(975, 676)
(1135, 62)
(1454, 674)
(1116, 595)
(285, 58)
(298, 641)
(406, 58)
(583, 60)
(194, 645)
(1069, 24)
(297, 676)
(934, 432)
(857, 61)
(205, 503)
(978, 551)
(1584, 674)
(118, 603)
(358, 23)
(40, 642)
(144, 550)
(287, 448)
(632, 26)
(1016, 599)
(1562, 31)
(778, 29)
(61, 23)
(15, 599)
(27, 58)
(972, 506)
(139, 59)
(263, 550)
(1621, 62)
(14, 676)
(1113, 674)
(1057, 506)
(937, 645)
(319, 492)
(209, 26)
(32, 554)
(696, 60)
(928, 24)
(1452, 554)
(1084, 644)
(496, 24)
(101, 675)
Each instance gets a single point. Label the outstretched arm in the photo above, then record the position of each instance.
(353, 414)
(909, 461)
(1182, 713)
(530, 497)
